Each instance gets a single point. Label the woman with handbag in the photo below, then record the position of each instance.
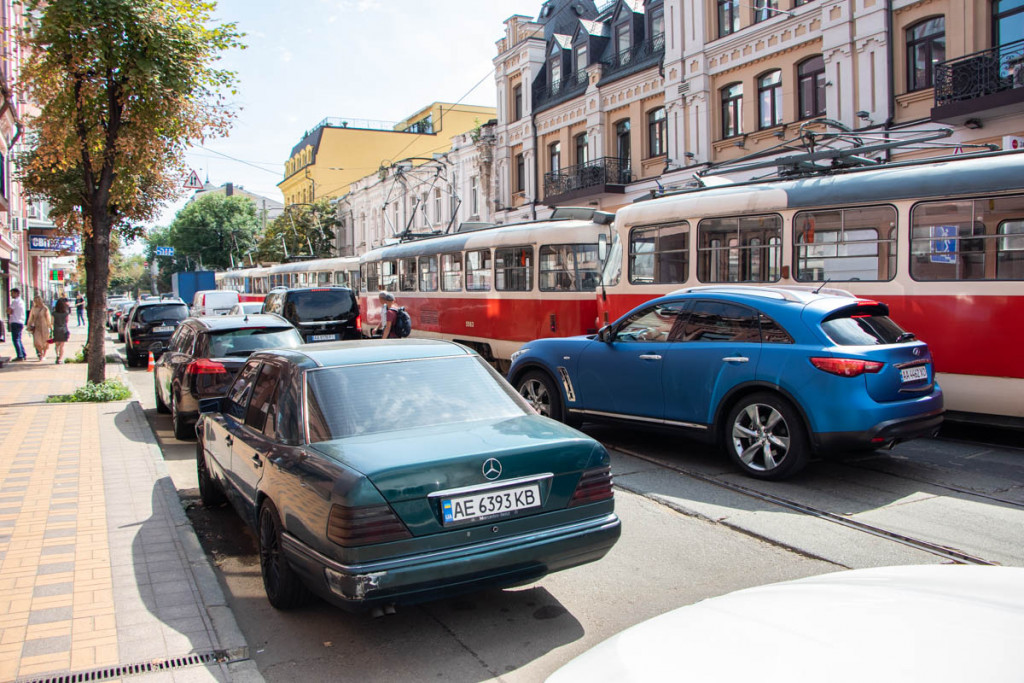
(39, 325)
(61, 333)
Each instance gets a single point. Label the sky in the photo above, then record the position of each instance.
(361, 59)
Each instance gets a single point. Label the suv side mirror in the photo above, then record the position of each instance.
(605, 334)
(211, 405)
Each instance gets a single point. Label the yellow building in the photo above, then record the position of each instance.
(337, 152)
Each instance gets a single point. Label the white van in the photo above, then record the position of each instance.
(213, 301)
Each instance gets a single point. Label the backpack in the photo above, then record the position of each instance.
(403, 323)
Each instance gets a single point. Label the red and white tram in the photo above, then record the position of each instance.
(940, 241)
(496, 287)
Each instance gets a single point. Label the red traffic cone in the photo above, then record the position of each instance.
(149, 365)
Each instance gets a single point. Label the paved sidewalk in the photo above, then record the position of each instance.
(101, 575)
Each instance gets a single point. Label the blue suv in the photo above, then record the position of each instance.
(771, 374)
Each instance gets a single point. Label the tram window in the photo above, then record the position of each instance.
(513, 269)
(739, 249)
(979, 239)
(323, 278)
(845, 245)
(371, 276)
(478, 270)
(428, 273)
(389, 276)
(1010, 256)
(659, 255)
(568, 268)
(339, 278)
(407, 274)
(451, 272)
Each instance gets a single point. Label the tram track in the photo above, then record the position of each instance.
(945, 552)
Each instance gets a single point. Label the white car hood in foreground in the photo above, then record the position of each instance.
(917, 623)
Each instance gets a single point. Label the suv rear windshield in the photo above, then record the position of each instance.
(864, 326)
(318, 305)
(245, 341)
(159, 312)
(409, 395)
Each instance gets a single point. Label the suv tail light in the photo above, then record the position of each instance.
(205, 366)
(847, 367)
(594, 485)
(349, 527)
(359, 323)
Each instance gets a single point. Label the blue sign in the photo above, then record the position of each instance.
(943, 243)
(43, 243)
(165, 251)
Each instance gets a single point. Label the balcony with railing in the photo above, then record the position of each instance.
(990, 82)
(606, 174)
(637, 58)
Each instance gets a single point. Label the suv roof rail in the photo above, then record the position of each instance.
(786, 292)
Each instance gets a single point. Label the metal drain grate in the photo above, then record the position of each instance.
(110, 672)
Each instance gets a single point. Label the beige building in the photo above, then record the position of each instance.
(600, 105)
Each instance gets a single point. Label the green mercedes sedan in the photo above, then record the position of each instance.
(386, 472)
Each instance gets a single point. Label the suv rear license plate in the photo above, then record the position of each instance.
(918, 372)
(323, 337)
(490, 504)
(164, 328)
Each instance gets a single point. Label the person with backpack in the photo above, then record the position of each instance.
(395, 320)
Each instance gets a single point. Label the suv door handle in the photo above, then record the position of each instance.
(256, 461)
(649, 356)
(228, 440)
(735, 359)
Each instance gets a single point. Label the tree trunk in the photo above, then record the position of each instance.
(97, 272)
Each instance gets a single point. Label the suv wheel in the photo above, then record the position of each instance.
(765, 437)
(181, 426)
(161, 407)
(542, 394)
(210, 491)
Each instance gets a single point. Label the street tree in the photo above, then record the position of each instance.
(122, 88)
(214, 232)
(303, 230)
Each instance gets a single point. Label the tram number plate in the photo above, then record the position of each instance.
(323, 337)
(489, 504)
(918, 372)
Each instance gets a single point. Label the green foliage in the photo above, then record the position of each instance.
(108, 390)
(78, 357)
(213, 230)
(306, 229)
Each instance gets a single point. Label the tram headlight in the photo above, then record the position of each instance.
(516, 354)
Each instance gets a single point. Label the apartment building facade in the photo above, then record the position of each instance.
(600, 105)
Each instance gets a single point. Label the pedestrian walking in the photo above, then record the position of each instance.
(16, 322)
(80, 308)
(61, 333)
(39, 324)
(387, 315)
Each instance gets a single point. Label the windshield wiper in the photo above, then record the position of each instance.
(905, 337)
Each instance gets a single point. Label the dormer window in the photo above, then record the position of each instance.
(623, 42)
(556, 71)
(581, 60)
(658, 27)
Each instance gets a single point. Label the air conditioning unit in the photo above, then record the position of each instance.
(32, 210)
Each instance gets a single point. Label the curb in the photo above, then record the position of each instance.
(231, 647)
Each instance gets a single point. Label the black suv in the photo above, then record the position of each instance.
(151, 321)
(319, 313)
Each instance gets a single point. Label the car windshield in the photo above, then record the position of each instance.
(382, 397)
(863, 326)
(322, 304)
(245, 341)
(161, 312)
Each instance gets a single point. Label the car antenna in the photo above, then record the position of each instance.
(827, 280)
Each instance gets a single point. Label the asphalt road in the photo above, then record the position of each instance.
(692, 528)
